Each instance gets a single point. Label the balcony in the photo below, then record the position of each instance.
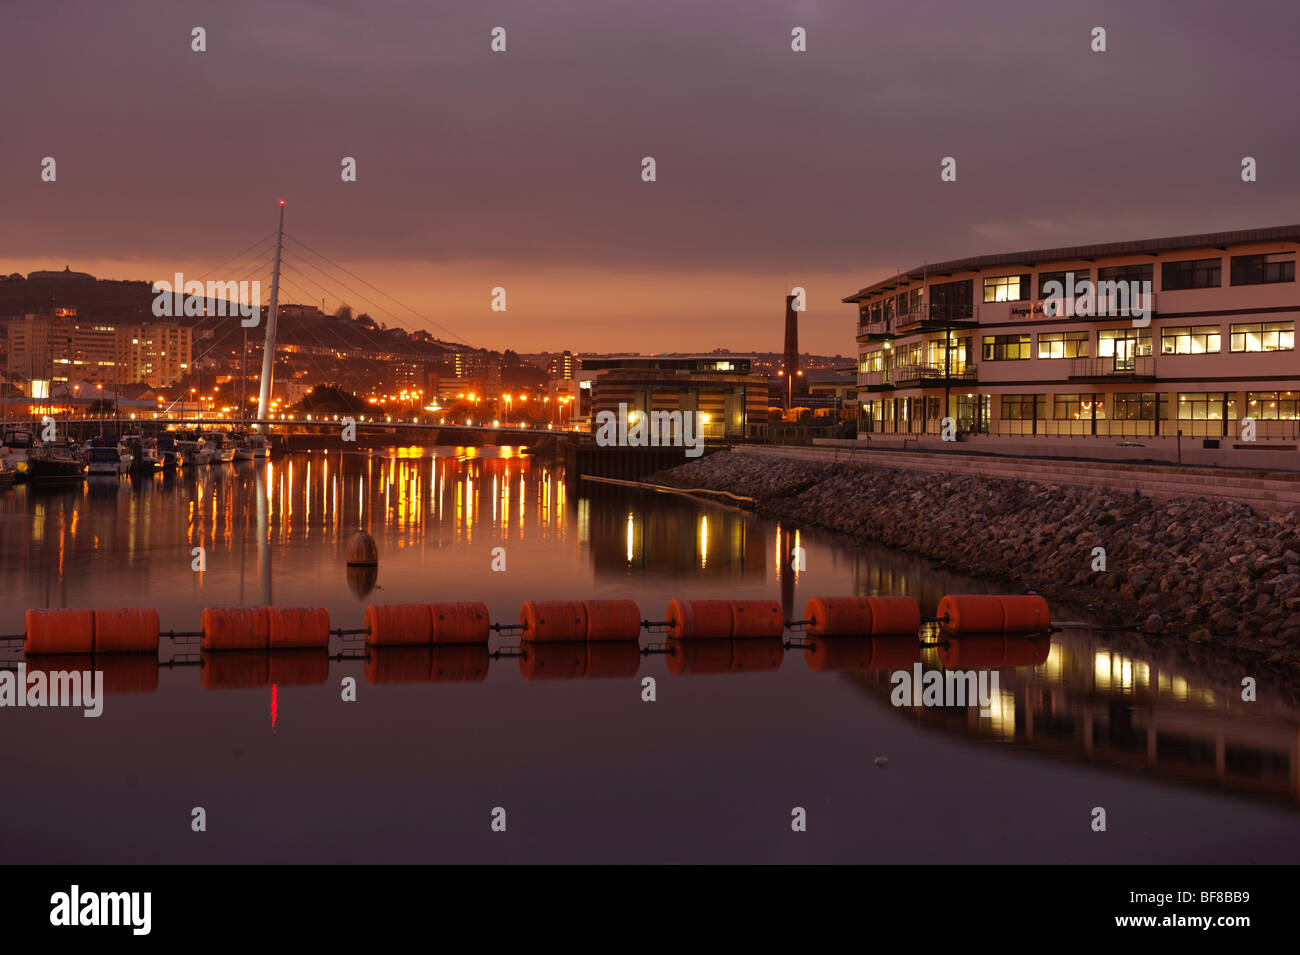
(912, 376)
(935, 318)
(934, 374)
(1130, 368)
(876, 331)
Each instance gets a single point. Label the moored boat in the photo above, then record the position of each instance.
(145, 455)
(191, 450)
(220, 445)
(16, 446)
(54, 463)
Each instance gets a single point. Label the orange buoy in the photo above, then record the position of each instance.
(610, 620)
(299, 667)
(460, 663)
(554, 661)
(396, 625)
(838, 616)
(894, 616)
(126, 630)
(60, 631)
(399, 664)
(699, 619)
(862, 616)
(971, 613)
(698, 657)
(293, 628)
(613, 659)
(757, 654)
(756, 618)
(551, 621)
(234, 669)
(234, 628)
(464, 622)
(1027, 613)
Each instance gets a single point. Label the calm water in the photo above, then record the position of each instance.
(585, 770)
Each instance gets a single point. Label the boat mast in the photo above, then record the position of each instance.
(268, 353)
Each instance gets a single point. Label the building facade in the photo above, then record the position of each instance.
(1144, 339)
(719, 389)
(63, 347)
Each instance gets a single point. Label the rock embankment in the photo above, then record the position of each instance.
(1211, 571)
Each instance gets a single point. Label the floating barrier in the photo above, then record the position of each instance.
(296, 628)
(828, 654)
(395, 625)
(615, 620)
(862, 616)
(990, 613)
(448, 642)
(60, 631)
(465, 622)
(756, 618)
(234, 628)
(699, 619)
(126, 630)
(552, 621)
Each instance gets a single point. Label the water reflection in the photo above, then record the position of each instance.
(277, 533)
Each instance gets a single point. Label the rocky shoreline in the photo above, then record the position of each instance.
(1211, 572)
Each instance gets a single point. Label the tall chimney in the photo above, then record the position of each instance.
(791, 337)
(791, 363)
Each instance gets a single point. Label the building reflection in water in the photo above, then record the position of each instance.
(1079, 699)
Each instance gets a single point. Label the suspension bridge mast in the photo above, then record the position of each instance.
(268, 352)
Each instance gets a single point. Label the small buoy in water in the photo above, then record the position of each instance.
(362, 552)
(881, 761)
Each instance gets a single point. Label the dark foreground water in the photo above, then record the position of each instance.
(585, 770)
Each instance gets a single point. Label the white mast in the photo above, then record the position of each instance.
(268, 353)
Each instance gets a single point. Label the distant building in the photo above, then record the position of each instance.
(720, 389)
(65, 346)
(562, 366)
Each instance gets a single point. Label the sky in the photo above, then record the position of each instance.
(523, 169)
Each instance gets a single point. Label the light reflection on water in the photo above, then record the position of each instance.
(741, 730)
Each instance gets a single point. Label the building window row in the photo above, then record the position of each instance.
(1256, 269)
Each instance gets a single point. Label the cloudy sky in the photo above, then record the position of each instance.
(523, 169)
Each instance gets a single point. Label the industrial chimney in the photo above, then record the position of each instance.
(790, 368)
